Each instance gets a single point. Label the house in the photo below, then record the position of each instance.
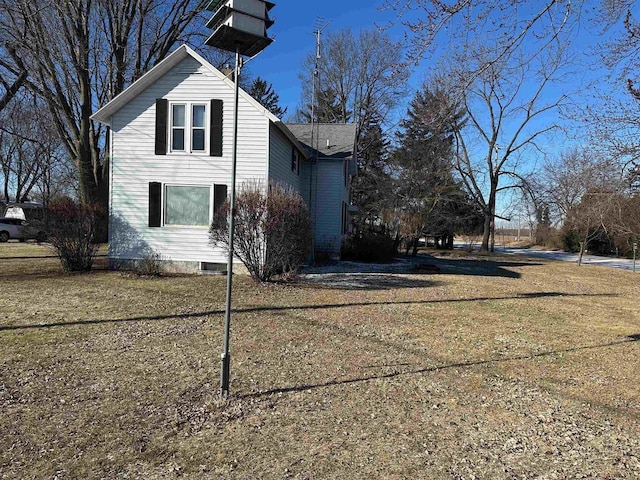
(171, 156)
(332, 162)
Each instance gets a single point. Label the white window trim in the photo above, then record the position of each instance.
(164, 205)
(296, 159)
(188, 128)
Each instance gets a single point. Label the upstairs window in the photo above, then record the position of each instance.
(189, 127)
(191, 118)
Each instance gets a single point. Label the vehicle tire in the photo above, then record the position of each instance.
(4, 237)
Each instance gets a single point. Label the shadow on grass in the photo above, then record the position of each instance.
(152, 318)
(481, 268)
(344, 273)
(364, 281)
(302, 388)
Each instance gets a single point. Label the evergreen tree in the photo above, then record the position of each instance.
(263, 92)
(429, 196)
(372, 188)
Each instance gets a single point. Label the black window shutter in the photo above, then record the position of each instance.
(155, 204)
(219, 197)
(215, 133)
(162, 118)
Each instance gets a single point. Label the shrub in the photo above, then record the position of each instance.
(369, 247)
(150, 265)
(570, 240)
(72, 232)
(272, 231)
(555, 240)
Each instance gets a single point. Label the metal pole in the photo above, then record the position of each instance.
(226, 356)
(635, 253)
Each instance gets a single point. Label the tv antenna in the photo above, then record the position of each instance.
(320, 25)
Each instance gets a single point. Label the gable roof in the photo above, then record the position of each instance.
(333, 140)
(104, 114)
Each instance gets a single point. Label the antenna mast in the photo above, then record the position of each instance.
(313, 192)
(320, 26)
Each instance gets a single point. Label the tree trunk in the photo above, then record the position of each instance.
(486, 232)
(583, 245)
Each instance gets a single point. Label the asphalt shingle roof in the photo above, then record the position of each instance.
(333, 140)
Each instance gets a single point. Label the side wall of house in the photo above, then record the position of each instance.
(280, 160)
(332, 198)
(134, 165)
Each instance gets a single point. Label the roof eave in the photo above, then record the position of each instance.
(292, 138)
(104, 114)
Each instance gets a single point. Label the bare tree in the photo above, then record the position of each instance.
(80, 53)
(361, 72)
(591, 218)
(613, 114)
(29, 147)
(13, 72)
(509, 50)
(566, 179)
(585, 191)
(511, 24)
(506, 106)
(624, 218)
(12, 76)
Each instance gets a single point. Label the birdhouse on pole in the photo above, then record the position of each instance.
(239, 25)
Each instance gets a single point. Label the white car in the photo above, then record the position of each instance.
(16, 228)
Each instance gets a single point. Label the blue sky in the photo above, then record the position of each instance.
(295, 22)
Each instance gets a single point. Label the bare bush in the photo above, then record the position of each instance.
(272, 230)
(150, 265)
(73, 229)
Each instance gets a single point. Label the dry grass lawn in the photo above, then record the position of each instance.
(491, 368)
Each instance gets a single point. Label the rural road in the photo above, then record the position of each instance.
(622, 263)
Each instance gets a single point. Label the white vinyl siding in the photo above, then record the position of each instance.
(331, 194)
(280, 164)
(134, 164)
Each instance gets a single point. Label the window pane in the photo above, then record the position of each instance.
(178, 116)
(177, 142)
(197, 142)
(187, 205)
(198, 116)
